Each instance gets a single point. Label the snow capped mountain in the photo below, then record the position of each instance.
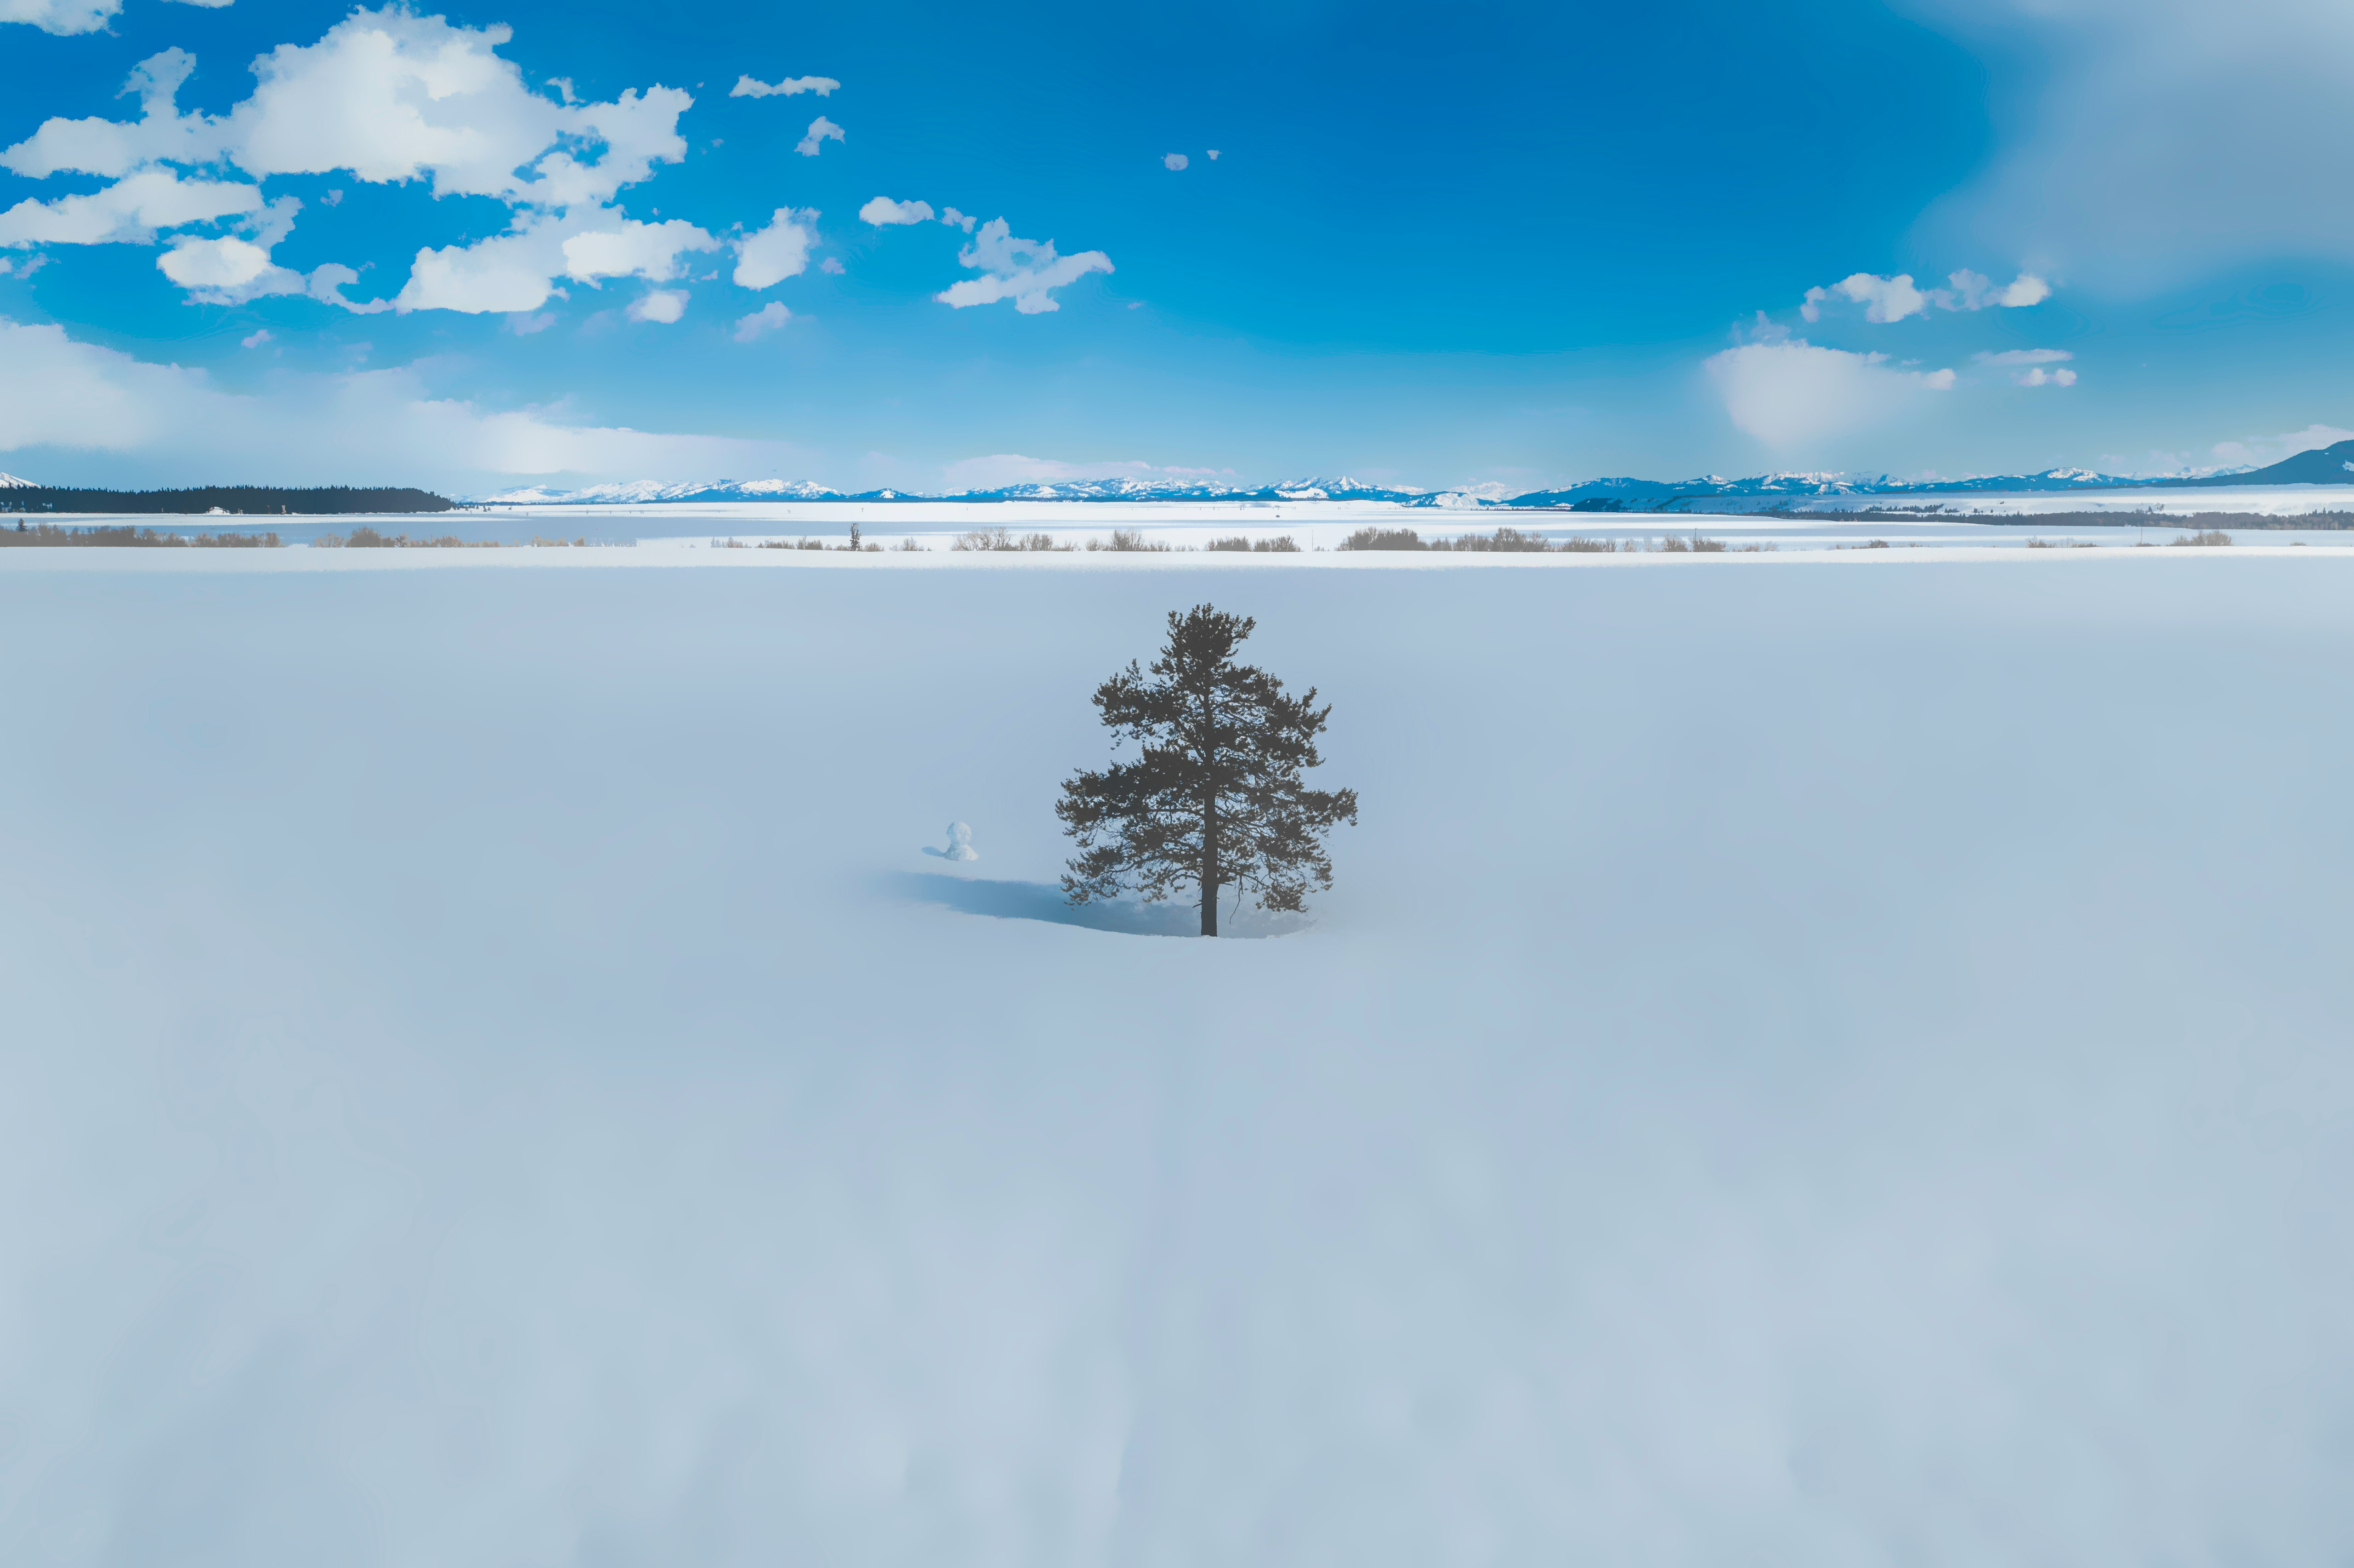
(10, 481)
(2330, 465)
(645, 491)
(639, 492)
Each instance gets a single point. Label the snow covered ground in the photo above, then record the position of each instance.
(1312, 525)
(1831, 1061)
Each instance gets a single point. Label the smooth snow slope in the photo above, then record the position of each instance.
(1805, 1065)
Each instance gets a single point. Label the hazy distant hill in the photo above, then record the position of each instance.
(2323, 465)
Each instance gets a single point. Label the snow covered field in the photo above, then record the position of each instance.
(1314, 525)
(1832, 1061)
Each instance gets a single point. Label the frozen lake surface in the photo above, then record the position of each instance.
(1834, 1060)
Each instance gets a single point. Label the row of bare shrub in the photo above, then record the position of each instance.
(126, 537)
(1514, 541)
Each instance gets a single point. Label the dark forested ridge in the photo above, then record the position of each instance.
(236, 499)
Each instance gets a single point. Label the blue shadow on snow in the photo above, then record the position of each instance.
(1044, 901)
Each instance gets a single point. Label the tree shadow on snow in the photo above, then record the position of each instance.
(1044, 901)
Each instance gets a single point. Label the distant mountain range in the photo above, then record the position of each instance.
(643, 492)
(2326, 465)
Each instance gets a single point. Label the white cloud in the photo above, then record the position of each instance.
(830, 265)
(77, 398)
(1174, 161)
(395, 97)
(630, 249)
(779, 251)
(767, 318)
(1791, 393)
(820, 131)
(114, 148)
(61, 16)
(2145, 143)
(1213, 155)
(747, 87)
(229, 271)
(1884, 299)
(2025, 356)
(129, 211)
(510, 272)
(1022, 270)
(391, 97)
(2038, 377)
(956, 219)
(662, 305)
(517, 271)
(1894, 299)
(883, 211)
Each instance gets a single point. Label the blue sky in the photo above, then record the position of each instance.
(1509, 245)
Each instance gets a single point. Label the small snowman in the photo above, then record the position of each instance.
(959, 844)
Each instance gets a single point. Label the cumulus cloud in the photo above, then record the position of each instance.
(114, 148)
(1022, 270)
(1174, 161)
(256, 340)
(782, 251)
(747, 86)
(130, 211)
(820, 131)
(764, 320)
(662, 305)
(518, 271)
(391, 97)
(2038, 377)
(64, 16)
(1791, 393)
(228, 270)
(883, 211)
(956, 219)
(1894, 299)
(632, 249)
(73, 397)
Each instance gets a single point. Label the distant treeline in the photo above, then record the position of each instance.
(238, 500)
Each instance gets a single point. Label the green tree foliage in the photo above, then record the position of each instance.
(1214, 797)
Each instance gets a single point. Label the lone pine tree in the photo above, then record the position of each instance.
(1214, 797)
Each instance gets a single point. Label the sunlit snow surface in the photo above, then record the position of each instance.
(1828, 1062)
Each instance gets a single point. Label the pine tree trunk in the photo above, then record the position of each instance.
(1210, 867)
